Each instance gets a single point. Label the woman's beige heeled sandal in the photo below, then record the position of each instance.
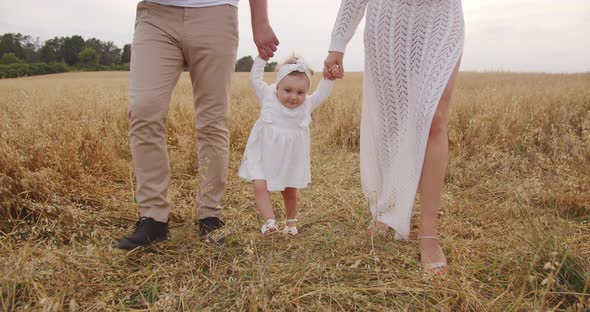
(434, 268)
(292, 230)
(269, 227)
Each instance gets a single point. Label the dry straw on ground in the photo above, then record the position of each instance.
(515, 221)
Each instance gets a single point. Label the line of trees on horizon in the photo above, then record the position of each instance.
(21, 55)
(245, 63)
(73, 50)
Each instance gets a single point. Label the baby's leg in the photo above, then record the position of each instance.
(262, 198)
(290, 198)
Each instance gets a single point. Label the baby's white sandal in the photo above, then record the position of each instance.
(292, 230)
(269, 227)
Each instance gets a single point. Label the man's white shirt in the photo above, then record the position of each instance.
(195, 3)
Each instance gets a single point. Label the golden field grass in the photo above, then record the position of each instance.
(514, 222)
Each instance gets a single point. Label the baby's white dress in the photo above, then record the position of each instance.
(278, 149)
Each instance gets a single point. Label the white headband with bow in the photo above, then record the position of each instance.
(286, 69)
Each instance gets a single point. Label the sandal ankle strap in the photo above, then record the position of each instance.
(427, 237)
(291, 220)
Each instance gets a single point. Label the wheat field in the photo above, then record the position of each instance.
(514, 222)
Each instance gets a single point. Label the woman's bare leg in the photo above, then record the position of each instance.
(433, 174)
(290, 198)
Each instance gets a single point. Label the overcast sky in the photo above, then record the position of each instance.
(515, 35)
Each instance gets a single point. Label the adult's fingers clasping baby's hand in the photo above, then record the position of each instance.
(266, 41)
(333, 68)
(336, 71)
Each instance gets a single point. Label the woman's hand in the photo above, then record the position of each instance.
(333, 65)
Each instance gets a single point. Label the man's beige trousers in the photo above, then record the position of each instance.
(166, 38)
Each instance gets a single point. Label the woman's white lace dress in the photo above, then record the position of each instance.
(411, 50)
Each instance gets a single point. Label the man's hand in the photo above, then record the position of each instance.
(333, 65)
(264, 37)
